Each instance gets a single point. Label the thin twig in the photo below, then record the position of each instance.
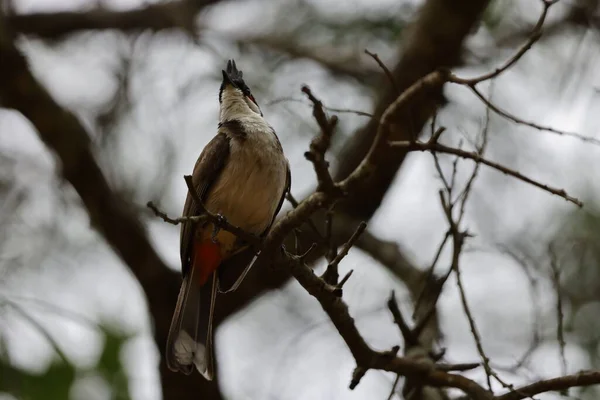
(464, 196)
(332, 109)
(320, 144)
(458, 367)
(431, 270)
(440, 148)
(393, 390)
(520, 121)
(348, 245)
(474, 330)
(349, 111)
(385, 69)
(534, 295)
(345, 279)
(289, 197)
(534, 36)
(407, 334)
(332, 249)
(51, 308)
(560, 335)
(583, 378)
(331, 273)
(41, 329)
(441, 175)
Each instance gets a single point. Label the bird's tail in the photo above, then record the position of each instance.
(190, 340)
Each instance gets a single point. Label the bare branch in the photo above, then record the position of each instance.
(365, 357)
(385, 70)
(507, 115)
(348, 65)
(393, 390)
(409, 338)
(560, 334)
(320, 144)
(458, 367)
(348, 245)
(440, 148)
(367, 166)
(534, 36)
(331, 272)
(332, 109)
(289, 197)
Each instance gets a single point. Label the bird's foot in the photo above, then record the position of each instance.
(221, 220)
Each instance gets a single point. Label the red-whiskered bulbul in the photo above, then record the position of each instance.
(242, 175)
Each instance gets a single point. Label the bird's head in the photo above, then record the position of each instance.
(234, 95)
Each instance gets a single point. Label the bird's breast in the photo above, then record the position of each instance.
(251, 184)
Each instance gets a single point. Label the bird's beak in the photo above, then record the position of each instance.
(227, 80)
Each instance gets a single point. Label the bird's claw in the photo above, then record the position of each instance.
(221, 220)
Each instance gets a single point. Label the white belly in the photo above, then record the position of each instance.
(250, 186)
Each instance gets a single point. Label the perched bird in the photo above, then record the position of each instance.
(243, 176)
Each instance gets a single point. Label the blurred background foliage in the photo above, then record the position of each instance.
(63, 380)
(150, 101)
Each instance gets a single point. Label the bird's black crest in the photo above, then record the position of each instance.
(234, 76)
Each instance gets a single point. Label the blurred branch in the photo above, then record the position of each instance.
(436, 147)
(329, 58)
(427, 46)
(458, 240)
(581, 14)
(385, 69)
(560, 334)
(110, 214)
(584, 378)
(520, 121)
(337, 110)
(40, 328)
(178, 14)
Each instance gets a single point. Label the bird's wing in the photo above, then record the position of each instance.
(206, 171)
(286, 189)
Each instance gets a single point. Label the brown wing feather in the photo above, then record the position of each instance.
(206, 171)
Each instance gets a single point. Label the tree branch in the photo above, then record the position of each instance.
(178, 14)
(113, 217)
(435, 147)
(584, 378)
